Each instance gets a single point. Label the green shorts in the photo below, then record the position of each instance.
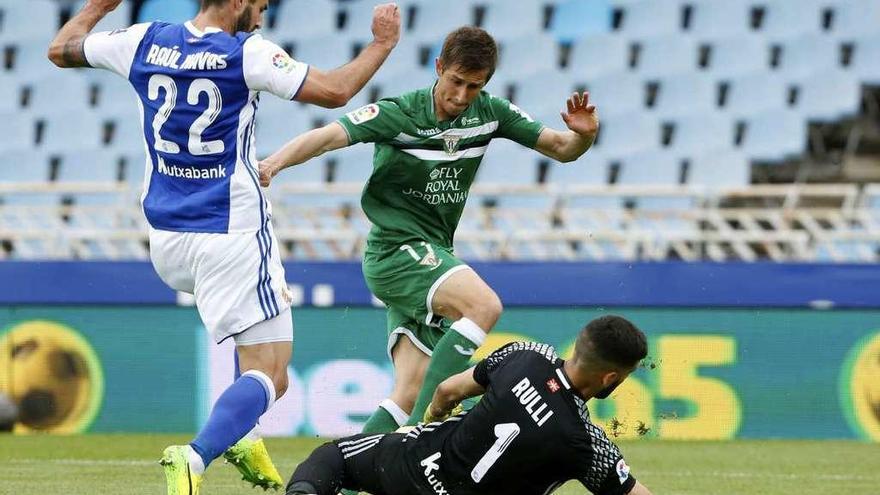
(405, 277)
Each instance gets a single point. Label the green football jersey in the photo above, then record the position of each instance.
(423, 169)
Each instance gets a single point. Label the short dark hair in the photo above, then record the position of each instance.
(611, 341)
(211, 3)
(471, 48)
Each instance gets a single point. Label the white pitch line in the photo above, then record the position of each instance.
(735, 474)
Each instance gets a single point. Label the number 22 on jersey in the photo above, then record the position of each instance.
(195, 145)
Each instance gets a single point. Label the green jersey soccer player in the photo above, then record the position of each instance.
(428, 146)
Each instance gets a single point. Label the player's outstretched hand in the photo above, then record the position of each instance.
(267, 172)
(581, 116)
(386, 24)
(105, 5)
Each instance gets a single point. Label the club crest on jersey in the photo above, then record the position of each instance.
(622, 471)
(363, 114)
(553, 386)
(450, 143)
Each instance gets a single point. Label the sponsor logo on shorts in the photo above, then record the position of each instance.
(464, 352)
(363, 114)
(430, 465)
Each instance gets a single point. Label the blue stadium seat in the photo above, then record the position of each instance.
(177, 11)
(736, 56)
(653, 167)
(17, 131)
(626, 134)
(30, 22)
(545, 94)
(575, 19)
(24, 165)
(617, 94)
(119, 18)
(527, 56)
(414, 80)
(785, 19)
(134, 170)
(359, 15)
(403, 60)
(44, 97)
(10, 93)
(599, 54)
(712, 19)
(853, 19)
(665, 56)
(651, 18)
(306, 19)
(511, 20)
(117, 99)
(719, 168)
(353, 164)
(755, 93)
(62, 134)
(589, 169)
(828, 96)
(325, 52)
(434, 20)
(507, 162)
(30, 62)
(89, 165)
(864, 62)
(278, 122)
(685, 94)
(696, 134)
(775, 136)
(128, 136)
(802, 57)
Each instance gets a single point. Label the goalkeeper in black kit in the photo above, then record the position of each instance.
(529, 434)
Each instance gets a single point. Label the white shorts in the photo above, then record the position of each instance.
(237, 279)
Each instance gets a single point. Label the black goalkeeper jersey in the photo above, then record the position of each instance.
(529, 434)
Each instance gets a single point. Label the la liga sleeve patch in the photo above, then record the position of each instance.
(363, 114)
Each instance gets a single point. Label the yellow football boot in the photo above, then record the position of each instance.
(181, 480)
(252, 460)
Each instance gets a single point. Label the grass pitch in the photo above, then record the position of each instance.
(127, 464)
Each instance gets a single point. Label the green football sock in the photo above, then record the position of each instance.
(451, 355)
(387, 418)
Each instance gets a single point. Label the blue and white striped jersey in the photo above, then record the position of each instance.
(198, 93)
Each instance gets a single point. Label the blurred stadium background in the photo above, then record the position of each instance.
(731, 207)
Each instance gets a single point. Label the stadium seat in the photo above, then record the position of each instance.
(545, 94)
(358, 16)
(801, 57)
(576, 19)
(24, 165)
(434, 20)
(512, 20)
(17, 131)
(325, 52)
(685, 94)
(10, 93)
(864, 62)
(402, 60)
(617, 94)
(312, 18)
(784, 19)
(665, 56)
(589, 169)
(117, 99)
(698, 133)
(128, 135)
(827, 96)
(414, 80)
(719, 168)
(278, 122)
(736, 56)
(353, 164)
(626, 134)
(30, 62)
(711, 19)
(31, 22)
(507, 162)
(598, 55)
(176, 11)
(853, 19)
(89, 165)
(44, 100)
(775, 135)
(527, 56)
(61, 133)
(120, 17)
(755, 93)
(650, 168)
(651, 18)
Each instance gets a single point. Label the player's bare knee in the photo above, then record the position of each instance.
(281, 383)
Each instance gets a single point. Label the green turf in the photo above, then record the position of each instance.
(126, 464)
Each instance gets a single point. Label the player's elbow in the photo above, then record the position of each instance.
(337, 97)
(56, 54)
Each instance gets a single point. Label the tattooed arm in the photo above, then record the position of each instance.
(66, 49)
